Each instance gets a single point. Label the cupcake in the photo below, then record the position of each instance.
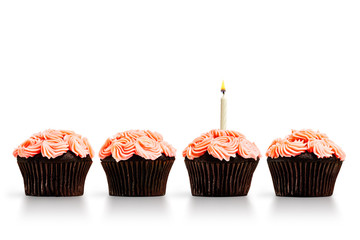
(137, 163)
(221, 163)
(304, 164)
(54, 163)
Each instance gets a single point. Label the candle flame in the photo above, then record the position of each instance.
(223, 87)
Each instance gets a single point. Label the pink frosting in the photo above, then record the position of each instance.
(122, 148)
(199, 146)
(54, 143)
(53, 149)
(247, 149)
(223, 147)
(305, 140)
(222, 144)
(144, 143)
(167, 149)
(284, 147)
(147, 148)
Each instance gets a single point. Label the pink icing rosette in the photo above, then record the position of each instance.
(336, 149)
(123, 148)
(219, 133)
(320, 148)
(105, 150)
(154, 135)
(285, 147)
(222, 144)
(198, 147)
(29, 148)
(54, 143)
(167, 149)
(223, 147)
(306, 135)
(53, 149)
(144, 143)
(305, 140)
(147, 148)
(247, 149)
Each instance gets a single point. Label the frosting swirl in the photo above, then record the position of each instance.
(336, 149)
(222, 144)
(122, 149)
(144, 143)
(76, 145)
(54, 143)
(198, 147)
(320, 148)
(223, 147)
(306, 135)
(28, 148)
(147, 148)
(167, 149)
(284, 147)
(247, 149)
(105, 150)
(154, 135)
(306, 140)
(53, 149)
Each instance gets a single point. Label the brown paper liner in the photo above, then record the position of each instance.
(137, 176)
(215, 178)
(52, 177)
(296, 177)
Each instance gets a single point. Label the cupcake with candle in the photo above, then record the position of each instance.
(54, 163)
(137, 163)
(306, 163)
(221, 163)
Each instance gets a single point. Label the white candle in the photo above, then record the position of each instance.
(223, 108)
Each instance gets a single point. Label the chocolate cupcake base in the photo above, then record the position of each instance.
(304, 176)
(61, 176)
(137, 176)
(214, 178)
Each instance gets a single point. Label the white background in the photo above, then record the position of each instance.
(100, 67)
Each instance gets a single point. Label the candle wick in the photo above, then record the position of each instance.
(223, 91)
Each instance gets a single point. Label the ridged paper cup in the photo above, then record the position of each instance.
(214, 178)
(298, 177)
(54, 177)
(137, 176)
